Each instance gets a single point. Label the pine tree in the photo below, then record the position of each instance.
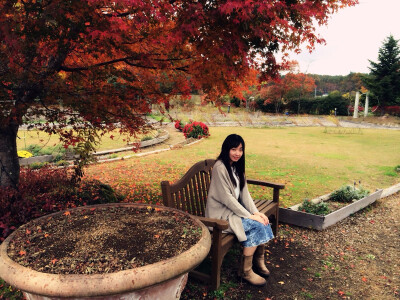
(384, 78)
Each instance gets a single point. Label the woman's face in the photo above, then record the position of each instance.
(236, 153)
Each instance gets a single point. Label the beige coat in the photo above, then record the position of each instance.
(222, 204)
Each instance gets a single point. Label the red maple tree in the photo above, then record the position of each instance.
(89, 66)
(290, 87)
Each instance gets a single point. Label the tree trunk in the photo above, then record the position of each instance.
(9, 163)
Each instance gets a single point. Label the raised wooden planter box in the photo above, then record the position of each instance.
(299, 218)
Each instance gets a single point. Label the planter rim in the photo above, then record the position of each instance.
(84, 285)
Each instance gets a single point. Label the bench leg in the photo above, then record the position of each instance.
(276, 222)
(216, 272)
(216, 258)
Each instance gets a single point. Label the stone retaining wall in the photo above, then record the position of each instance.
(35, 159)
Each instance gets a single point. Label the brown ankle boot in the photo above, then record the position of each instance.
(259, 262)
(246, 271)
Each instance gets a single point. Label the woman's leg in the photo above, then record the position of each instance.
(249, 251)
(259, 261)
(257, 234)
(246, 267)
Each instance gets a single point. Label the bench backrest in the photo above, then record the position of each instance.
(190, 192)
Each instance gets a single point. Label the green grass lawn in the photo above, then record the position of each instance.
(310, 162)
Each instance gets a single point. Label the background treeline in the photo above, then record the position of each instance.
(323, 105)
(325, 84)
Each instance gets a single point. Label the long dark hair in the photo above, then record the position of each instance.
(233, 141)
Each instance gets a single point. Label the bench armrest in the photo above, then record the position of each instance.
(266, 183)
(215, 223)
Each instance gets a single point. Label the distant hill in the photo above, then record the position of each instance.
(344, 84)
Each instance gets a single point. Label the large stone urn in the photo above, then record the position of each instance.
(164, 279)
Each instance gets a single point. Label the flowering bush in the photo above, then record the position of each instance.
(45, 191)
(196, 130)
(24, 154)
(179, 125)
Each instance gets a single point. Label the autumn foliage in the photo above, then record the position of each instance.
(290, 87)
(46, 191)
(89, 66)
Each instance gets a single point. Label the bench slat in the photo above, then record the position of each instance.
(192, 196)
(262, 205)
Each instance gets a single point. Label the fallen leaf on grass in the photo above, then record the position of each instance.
(67, 213)
(22, 252)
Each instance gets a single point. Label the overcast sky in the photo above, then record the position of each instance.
(353, 36)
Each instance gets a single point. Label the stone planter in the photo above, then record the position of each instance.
(161, 280)
(299, 218)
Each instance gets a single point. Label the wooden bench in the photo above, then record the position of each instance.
(190, 195)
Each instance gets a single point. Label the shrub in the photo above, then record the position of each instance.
(62, 163)
(179, 125)
(196, 130)
(235, 101)
(37, 150)
(34, 149)
(146, 138)
(45, 191)
(320, 208)
(348, 193)
(38, 165)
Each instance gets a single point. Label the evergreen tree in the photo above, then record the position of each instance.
(384, 78)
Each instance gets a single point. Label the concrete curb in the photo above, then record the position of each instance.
(146, 153)
(155, 141)
(390, 190)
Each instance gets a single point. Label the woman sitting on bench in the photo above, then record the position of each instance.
(229, 199)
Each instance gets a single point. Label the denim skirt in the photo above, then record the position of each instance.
(256, 233)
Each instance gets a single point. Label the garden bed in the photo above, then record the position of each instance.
(293, 216)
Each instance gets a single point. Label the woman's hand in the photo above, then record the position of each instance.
(259, 217)
(263, 217)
